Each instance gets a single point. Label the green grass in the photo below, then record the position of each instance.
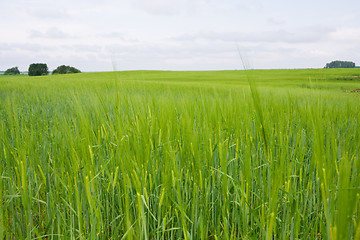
(181, 155)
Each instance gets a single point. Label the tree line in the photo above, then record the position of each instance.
(40, 69)
(340, 64)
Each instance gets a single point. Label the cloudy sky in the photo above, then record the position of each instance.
(103, 35)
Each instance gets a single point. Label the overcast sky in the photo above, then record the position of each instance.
(103, 35)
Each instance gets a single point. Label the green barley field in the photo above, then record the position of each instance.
(255, 154)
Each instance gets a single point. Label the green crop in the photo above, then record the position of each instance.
(260, 154)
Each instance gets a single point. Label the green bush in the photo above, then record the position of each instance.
(12, 71)
(340, 64)
(38, 69)
(65, 70)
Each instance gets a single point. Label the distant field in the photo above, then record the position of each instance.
(260, 154)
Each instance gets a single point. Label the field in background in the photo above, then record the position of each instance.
(257, 154)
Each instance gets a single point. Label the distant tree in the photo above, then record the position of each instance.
(38, 69)
(340, 64)
(12, 71)
(65, 70)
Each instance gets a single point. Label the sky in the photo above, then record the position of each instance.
(107, 35)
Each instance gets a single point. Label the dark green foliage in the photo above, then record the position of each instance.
(340, 64)
(38, 69)
(12, 71)
(65, 70)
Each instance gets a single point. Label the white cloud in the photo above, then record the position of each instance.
(312, 34)
(158, 7)
(116, 36)
(48, 13)
(177, 34)
(23, 47)
(275, 21)
(346, 35)
(51, 33)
